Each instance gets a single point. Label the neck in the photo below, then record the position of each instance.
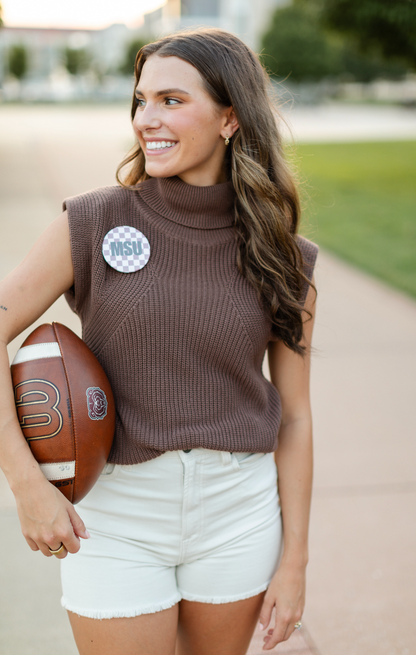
(204, 178)
(206, 207)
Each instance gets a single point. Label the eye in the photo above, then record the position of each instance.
(172, 101)
(140, 102)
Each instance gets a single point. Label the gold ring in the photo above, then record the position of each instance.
(58, 551)
(298, 625)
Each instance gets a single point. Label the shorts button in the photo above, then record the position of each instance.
(187, 451)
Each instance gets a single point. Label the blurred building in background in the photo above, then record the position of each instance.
(64, 64)
(58, 65)
(47, 56)
(245, 18)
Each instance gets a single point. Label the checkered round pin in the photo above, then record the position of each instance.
(126, 249)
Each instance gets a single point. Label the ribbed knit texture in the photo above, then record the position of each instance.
(183, 339)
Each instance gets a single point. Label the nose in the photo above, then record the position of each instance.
(147, 117)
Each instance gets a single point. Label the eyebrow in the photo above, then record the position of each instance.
(164, 92)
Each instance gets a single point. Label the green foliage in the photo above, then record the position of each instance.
(366, 67)
(77, 60)
(18, 61)
(1, 13)
(384, 26)
(297, 46)
(360, 205)
(132, 48)
(312, 39)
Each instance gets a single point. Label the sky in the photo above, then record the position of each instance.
(93, 14)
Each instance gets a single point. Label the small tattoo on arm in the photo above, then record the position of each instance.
(3, 307)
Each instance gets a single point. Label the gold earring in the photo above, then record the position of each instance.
(227, 140)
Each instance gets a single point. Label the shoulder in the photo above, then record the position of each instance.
(307, 248)
(309, 251)
(98, 199)
(92, 214)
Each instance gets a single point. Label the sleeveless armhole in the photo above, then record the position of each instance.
(309, 252)
(80, 231)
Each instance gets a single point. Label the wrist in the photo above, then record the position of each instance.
(21, 469)
(294, 559)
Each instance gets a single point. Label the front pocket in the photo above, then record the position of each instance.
(108, 470)
(245, 460)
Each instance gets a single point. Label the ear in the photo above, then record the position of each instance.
(230, 124)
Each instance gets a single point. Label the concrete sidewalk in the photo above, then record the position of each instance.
(361, 576)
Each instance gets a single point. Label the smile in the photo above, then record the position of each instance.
(160, 145)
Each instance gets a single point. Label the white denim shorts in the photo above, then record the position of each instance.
(202, 525)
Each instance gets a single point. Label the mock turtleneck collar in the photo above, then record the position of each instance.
(199, 207)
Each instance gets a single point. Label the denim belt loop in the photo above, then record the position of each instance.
(226, 458)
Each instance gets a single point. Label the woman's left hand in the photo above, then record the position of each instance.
(286, 593)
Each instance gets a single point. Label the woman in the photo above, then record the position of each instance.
(186, 551)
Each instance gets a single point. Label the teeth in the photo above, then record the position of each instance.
(158, 145)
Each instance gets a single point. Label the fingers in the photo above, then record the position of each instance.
(51, 542)
(78, 524)
(48, 520)
(266, 613)
(36, 543)
(62, 551)
(70, 536)
(31, 543)
(284, 627)
(62, 534)
(65, 537)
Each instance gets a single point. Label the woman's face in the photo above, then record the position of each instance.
(180, 128)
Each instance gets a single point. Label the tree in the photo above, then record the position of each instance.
(365, 67)
(302, 44)
(18, 61)
(1, 14)
(76, 60)
(132, 48)
(297, 46)
(387, 27)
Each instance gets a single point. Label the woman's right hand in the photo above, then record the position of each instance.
(47, 518)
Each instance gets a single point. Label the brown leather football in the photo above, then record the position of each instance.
(65, 407)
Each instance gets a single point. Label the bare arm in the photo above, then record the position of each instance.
(290, 374)
(46, 517)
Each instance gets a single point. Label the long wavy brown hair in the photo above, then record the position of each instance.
(267, 207)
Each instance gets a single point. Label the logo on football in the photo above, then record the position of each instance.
(97, 403)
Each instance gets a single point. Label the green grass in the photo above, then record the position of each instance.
(360, 202)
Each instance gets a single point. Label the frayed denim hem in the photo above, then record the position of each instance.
(120, 613)
(217, 600)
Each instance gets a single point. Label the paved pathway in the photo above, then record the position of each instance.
(361, 576)
(343, 122)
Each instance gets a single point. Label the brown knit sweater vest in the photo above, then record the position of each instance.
(182, 340)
